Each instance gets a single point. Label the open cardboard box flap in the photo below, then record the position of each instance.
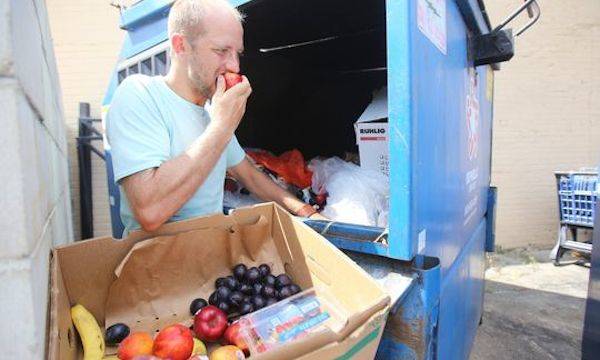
(149, 279)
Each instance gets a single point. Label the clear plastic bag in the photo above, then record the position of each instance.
(308, 313)
(355, 195)
(236, 200)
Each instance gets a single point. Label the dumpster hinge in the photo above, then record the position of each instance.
(498, 45)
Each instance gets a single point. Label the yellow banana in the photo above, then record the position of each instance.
(90, 333)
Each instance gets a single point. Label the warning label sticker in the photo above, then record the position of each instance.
(431, 20)
(472, 114)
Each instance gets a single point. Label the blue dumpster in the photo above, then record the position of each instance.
(314, 66)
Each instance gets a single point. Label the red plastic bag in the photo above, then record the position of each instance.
(290, 166)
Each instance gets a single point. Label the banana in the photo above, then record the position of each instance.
(90, 333)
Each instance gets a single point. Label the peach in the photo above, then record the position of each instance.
(228, 352)
(233, 337)
(137, 343)
(175, 342)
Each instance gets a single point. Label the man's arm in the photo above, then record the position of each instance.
(265, 189)
(155, 195)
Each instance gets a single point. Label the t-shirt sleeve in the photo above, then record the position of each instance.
(137, 135)
(235, 153)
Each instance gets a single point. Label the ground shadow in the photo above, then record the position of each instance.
(523, 323)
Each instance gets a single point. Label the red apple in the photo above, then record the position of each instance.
(137, 343)
(210, 323)
(232, 79)
(233, 337)
(174, 342)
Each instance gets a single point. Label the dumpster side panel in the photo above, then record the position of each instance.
(461, 300)
(451, 126)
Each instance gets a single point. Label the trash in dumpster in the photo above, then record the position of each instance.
(372, 134)
(355, 195)
(237, 199)
(290, 166)
(341, 190)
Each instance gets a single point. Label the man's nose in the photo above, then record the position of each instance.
(233, 62)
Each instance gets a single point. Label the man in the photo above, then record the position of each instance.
(170, 152)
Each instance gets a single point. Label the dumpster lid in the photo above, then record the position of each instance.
(377, 109)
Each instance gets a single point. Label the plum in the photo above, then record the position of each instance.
(282, 280)
(196, 305)
(223, 293)
(246, 308)
(268, 291)
(269, 280)
(116, 333)
(224, 306)
(232, 283)
(259, 302)
(213, 299)
(294, 289)
(258, 288)
(239, 271)
(271, 301)
(284, 292)
(219, 282)
(246, 289)
(264, 270)
(236, 298)
(252, 275)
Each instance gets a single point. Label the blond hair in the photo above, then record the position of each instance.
(186, 16)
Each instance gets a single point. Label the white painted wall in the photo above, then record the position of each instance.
(87, 40)
(35, 211)
(546, 115)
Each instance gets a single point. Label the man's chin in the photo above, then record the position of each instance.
(207, 92)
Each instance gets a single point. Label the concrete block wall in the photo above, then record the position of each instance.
(87, 40)
(546, 115)
(35, 208)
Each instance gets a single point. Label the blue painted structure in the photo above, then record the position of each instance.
(441, 204)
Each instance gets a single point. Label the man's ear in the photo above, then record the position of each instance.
(178, 44)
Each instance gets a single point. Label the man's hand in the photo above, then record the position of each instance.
(228, 107)
(265, 189)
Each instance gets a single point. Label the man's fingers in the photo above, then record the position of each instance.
(241, 89)
(247, 83)
(220, 85)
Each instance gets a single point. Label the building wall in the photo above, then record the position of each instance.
(35, 212)
(87, 40)
(546, 115)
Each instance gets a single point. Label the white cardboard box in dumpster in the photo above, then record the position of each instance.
(372, 134)
(206, 248)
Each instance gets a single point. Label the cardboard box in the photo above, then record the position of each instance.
(149, 279)
(372, 134)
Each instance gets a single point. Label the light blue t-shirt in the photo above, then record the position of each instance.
(147, 124)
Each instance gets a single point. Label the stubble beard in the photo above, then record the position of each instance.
(195, 71)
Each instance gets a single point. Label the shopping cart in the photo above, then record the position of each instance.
(577, 194)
